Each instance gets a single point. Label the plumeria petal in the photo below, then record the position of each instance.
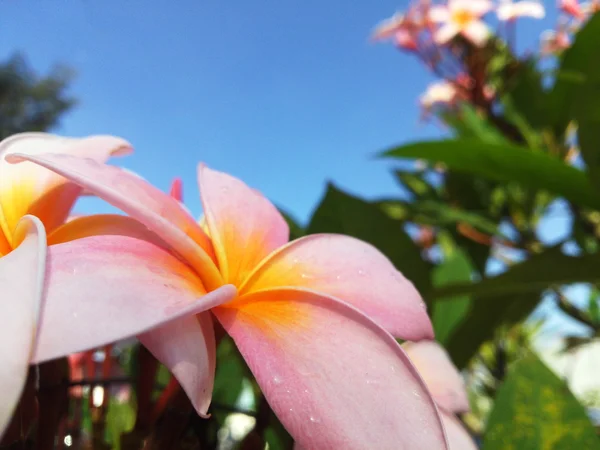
(458, 437)
(476, 7)
(438, 14)
(244, 226)
(187, 347)
(507, 10)
(446, 33)
(177, 189)
(102, 289)
(350, 270)
(333, 377)
(103, 224)
(440, 375)
(142, 201)
(22, 281)
(477, 32)
(30, 189)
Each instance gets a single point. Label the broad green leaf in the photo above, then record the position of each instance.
(230, 373)
(437, 213)
(525, 98)
(342, 213)
(506, 163)
(540, 272)
(296, 230)
(447, 314)
(468, 123)
(571, 76)
(120, 419)
(586, 100)
(534, 410)
(482, 321)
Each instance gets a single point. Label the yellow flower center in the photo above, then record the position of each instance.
(462, 17)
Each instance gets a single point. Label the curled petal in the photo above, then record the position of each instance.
(440, 375)
(477, 32)
(106, 288)
(177, 190)
(352, 271)
(142, 201)
(439, 14)
(187, 347)
(21, 283)
(322, 364)
(244, 226)
(103, 224)
(446, 33)
(30, 189)
(458, 436)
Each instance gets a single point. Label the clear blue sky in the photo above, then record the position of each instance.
(284, 94)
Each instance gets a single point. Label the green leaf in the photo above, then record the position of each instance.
(342, 213)
(526, 96)
(120, 419)
(447, 315)
(534, 409)
(437, 213)
(540, 272)
(483, 319)
(506, 163)
(468, 123)
(574, 66)
(230, 373)
(415, 183)
(296, 230)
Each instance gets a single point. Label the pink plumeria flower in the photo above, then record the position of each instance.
(439, 93)
(402, 29)
(509, 11)
(573, 8)
(553, 42)
(461, 17)
(312, 318)
(446, 387)
(34, 202)
(590, 7)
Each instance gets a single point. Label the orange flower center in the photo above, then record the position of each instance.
(462, 17)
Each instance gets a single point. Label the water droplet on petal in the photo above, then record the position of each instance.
(314, 419)
(416, 394)
(276, 380)
(361, 272)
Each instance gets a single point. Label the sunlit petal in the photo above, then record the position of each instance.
(353, 271)
(244, 226)
(440, 375)
(477, 32)
(30, 189)
(106, 288)
(103, 224)
(333, 377)
(142, 201)
(187, 347)
(21, 283)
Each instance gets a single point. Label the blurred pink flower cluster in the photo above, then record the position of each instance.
(454, 41)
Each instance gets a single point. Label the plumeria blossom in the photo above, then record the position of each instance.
(572, 8)
(553, 42)
(33, 202)
(509, 11)
(461, 17)
(312, 317)
(439, 93)
(34, 212)
(403, 29)
(446, 387)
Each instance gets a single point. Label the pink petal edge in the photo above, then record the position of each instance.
(106, 288)
(333, 377)
(21, 282)
(352, 271)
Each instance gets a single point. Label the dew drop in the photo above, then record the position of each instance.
(314, 419)
(276, 380)
(416, 394)
(361, 272)
(306, 276)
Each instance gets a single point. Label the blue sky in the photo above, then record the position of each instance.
(283, 94)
